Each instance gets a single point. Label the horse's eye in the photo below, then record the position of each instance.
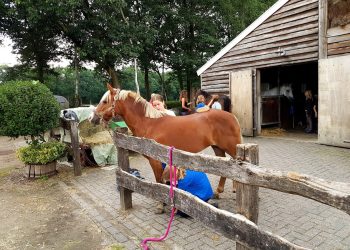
(104, 102)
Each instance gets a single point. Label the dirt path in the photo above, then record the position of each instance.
(39, 214)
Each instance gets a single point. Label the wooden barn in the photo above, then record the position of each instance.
(303, 44)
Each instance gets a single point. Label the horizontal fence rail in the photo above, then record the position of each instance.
(335, 194)
(232, 226)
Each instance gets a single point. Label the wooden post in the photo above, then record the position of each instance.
(123, 163)
(322, 29)
(247, 196)
(75, 146)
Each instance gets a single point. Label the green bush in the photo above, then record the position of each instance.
(173, 104)
(41, 153)
(27, 108)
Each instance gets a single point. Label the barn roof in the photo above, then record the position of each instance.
(243, 34)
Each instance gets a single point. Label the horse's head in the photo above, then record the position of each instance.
(105, 110)
(287, 91)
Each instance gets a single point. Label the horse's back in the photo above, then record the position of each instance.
(195, 132)
(225, 121)
(205, 122)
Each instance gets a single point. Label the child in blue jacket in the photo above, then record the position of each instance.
(200, 102)
(194, 182)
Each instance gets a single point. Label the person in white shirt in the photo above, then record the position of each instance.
(214, 102)
(158, 103)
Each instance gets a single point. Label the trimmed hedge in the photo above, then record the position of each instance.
(173, 104)
(27, 108)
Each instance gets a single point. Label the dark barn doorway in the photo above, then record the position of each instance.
(280, 108)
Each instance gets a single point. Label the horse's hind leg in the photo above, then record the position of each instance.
(221, 186)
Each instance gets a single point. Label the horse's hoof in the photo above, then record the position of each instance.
(160, 208)
(159, 211)
(216, 195)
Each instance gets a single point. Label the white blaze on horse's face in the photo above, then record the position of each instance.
(105, 98)
(93, 117)
(92, 114)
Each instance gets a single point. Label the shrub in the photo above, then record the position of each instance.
(27, 108)
(41, 153)
(173, 104)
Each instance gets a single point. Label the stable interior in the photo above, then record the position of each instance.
(278, 111)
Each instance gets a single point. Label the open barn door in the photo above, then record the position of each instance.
(334, 101)
(241, 94)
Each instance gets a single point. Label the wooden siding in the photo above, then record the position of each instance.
(338, 41)
(293, 29)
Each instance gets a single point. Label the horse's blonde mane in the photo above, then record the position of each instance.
(150, 111)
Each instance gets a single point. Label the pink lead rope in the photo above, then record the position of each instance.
(171, 195)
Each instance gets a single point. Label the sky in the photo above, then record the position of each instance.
(10, 59)
(6, 55)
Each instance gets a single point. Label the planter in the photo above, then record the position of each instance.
(38, 170)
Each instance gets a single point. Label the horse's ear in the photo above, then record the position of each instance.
(110, 88)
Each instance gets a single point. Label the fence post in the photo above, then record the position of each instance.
(247, 196)
(75, 146)
(123, 163)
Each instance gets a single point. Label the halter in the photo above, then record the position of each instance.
(116, 97)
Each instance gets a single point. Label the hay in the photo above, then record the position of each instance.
(273, 132)
(94, 134)
(102, 137)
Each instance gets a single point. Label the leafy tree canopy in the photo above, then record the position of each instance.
(27, 108)
(180, 35)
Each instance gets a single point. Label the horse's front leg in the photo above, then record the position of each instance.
(158, 171)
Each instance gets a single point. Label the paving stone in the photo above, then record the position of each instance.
(302, 221)
(105, 224)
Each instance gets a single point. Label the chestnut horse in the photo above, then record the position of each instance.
(191, 133)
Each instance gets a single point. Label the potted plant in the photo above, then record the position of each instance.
(41, 158)
(29, 109)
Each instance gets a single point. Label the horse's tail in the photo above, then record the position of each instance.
(226, 103)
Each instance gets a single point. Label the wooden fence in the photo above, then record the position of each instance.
(244, 170)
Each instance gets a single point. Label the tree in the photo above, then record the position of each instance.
(17, 72)
(27, 108)
(196, 31)
(151, 15)
(92, 85)
(30, 26)
(237, 15)
(181, 35)
(99, 31)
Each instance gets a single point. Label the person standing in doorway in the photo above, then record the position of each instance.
(310, 111)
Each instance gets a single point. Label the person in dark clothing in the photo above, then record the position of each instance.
(310, 111)
(185, 110)
(315, 118)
